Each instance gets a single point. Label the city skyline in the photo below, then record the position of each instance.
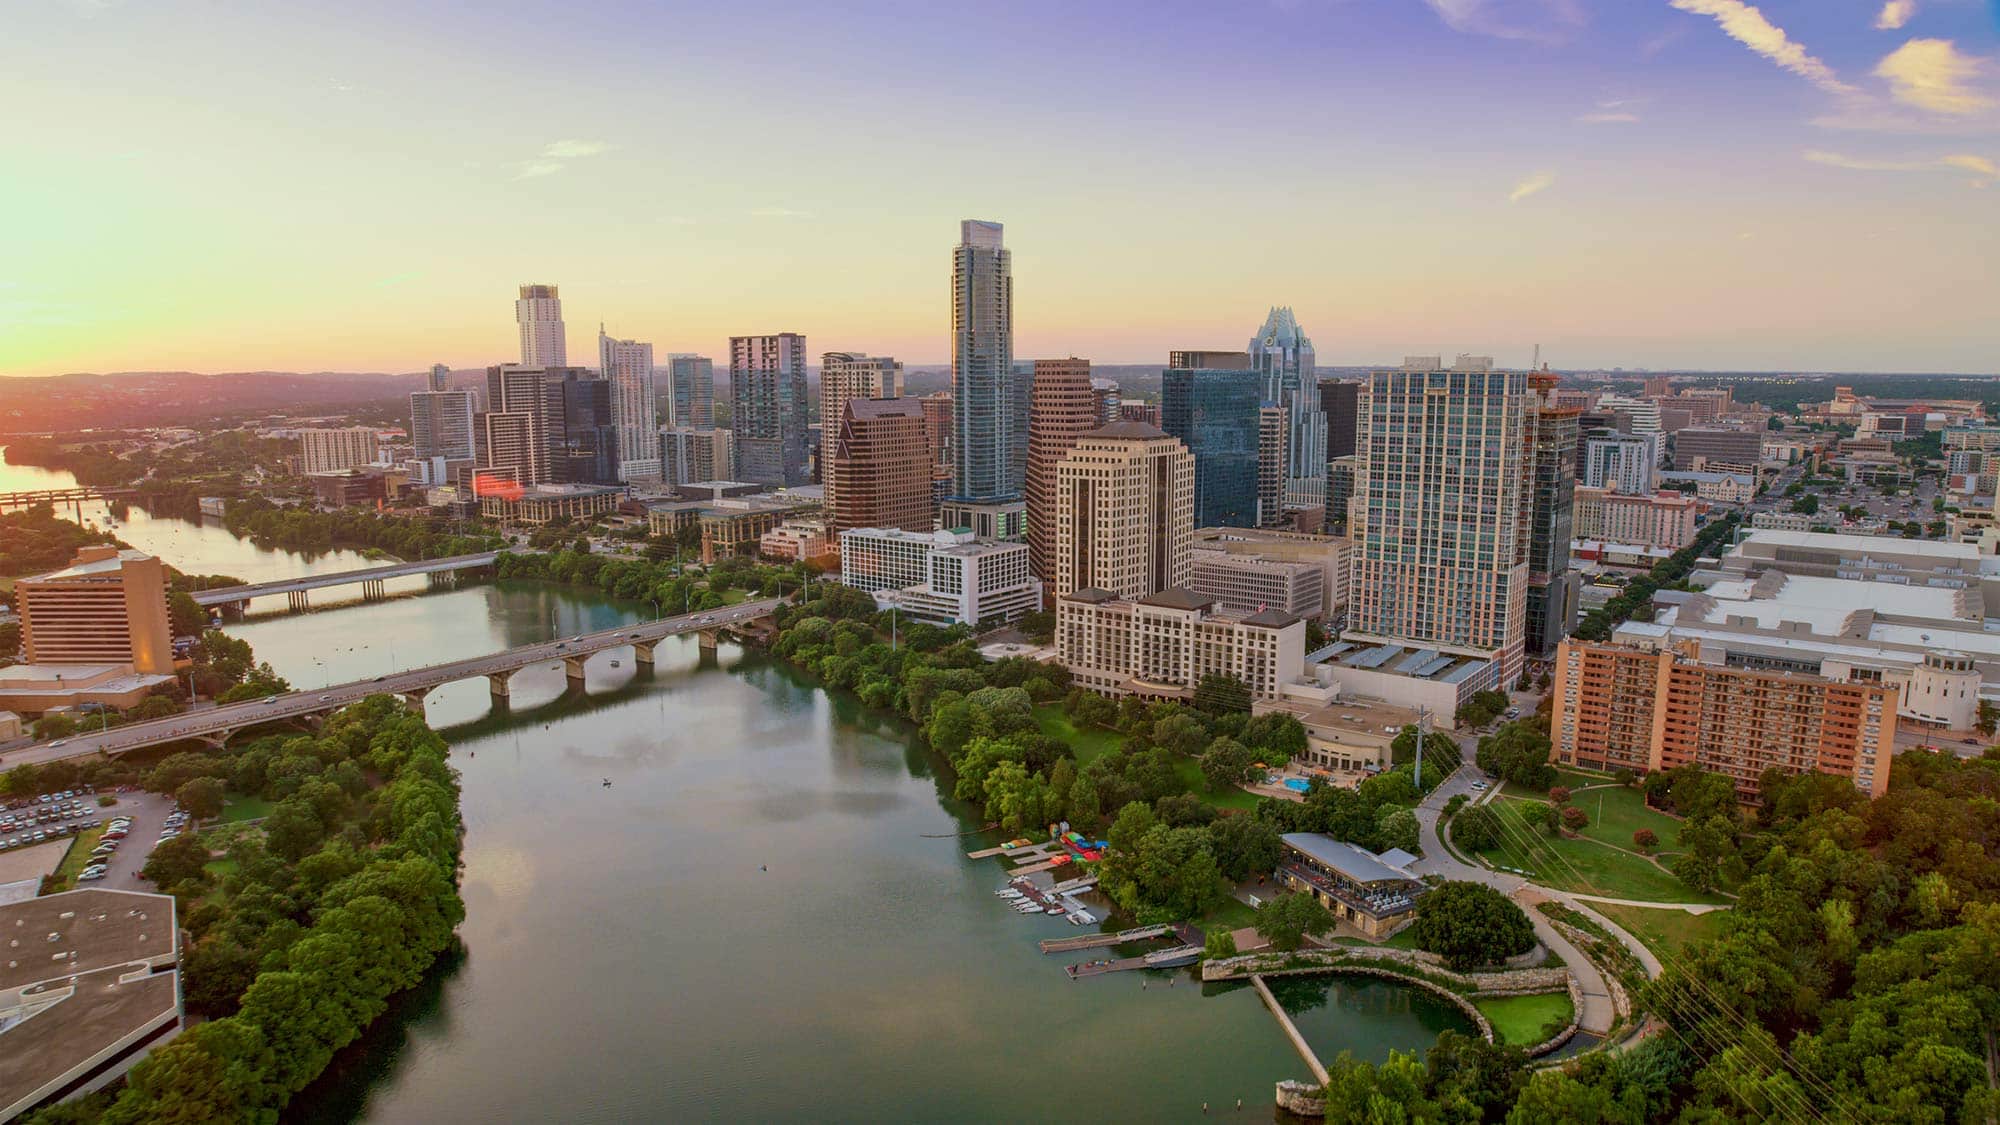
(1687, 184)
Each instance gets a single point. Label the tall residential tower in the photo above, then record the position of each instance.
(628, 367)
(767, 394)
(538, 312)
(989, 435)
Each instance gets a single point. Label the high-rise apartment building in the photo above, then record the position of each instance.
(1273, 423)
(691, 393)
(1661, 521)
(440, 379)
(538, 313)
(522, 423)
(1062, 408)
(1106, 398)
(688, 455)
(1283, 356)
(1340, 401)
(628, 366)
(851, 375)
(584, 438)
(1130, 411)
(878, 471)
(441, 423)
(1628, 463)
(1341, 474)
(332, 450)
(1124, 512)
(1213, 410)
(984, 406)
(1648, 709)
(767, 394)
(1554, 588)
(1438, 529)
(108, 607)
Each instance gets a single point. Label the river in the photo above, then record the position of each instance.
(756, 919)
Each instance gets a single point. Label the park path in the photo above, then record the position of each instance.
(1690, 907)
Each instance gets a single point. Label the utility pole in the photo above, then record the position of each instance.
(1423, 743)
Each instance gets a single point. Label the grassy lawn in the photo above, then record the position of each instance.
(77, 857)
(1085, 744)
(1521, 1020)
(1572, 778)
(1623, 812)
(734, 596)
(1405, 938)
(1233, 914)
(220, 867)
(1584, 865)
(239, 807)
(1663, 931)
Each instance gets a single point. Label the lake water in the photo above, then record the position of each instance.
(766, 915)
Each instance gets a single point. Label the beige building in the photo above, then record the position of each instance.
(1124, 512)
(329, 451)
(109, 606)
(1663, 519)
(877, 470)
(546, 502)
(1161, 645)
(1330, 554)
(1350, 737)
(844, 376)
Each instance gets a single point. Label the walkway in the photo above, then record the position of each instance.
(236, 595)
(1690, 907)
(216, 724)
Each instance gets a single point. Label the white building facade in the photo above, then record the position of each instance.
(628, 367)
(942, 576)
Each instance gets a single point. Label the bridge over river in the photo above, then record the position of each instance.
(370, 579)
(214, 725)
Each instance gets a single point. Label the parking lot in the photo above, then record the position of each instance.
(148, 812)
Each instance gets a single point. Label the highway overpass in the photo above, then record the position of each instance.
(370, 578)
(214, 725)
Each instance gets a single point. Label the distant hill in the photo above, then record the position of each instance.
(153, 398)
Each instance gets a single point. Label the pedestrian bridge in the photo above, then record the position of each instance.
(370, 578)
(215, 725)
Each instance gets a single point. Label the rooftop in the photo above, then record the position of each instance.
(1361, 716)
(1864, 544)
(1353, 862)
(1128, 431)
(1177, 598)
(97, 563)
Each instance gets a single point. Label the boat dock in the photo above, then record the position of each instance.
(1017, 851)
(1074, 885)
(1095, 941)
(1158, 959)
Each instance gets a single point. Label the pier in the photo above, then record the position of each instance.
(1098, 941)
(1290, 1029)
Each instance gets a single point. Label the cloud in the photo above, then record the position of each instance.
(1987, 171)
(779, 213)
(556, 156)
(1745, 24)
(1608, 118)
(1895, 14)
(1539, 21)
(1930, 74)
(1540, 181)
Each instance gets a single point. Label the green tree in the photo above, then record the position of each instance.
(1287, 920)
(1218, 944)
(201, 797)
(176, 861)
(1219, 693)
(1244, 846)
(1476, 829)
(1277, 737)
(1645, 839)
(1471, 924)
(1225, 764)
(1180, 734)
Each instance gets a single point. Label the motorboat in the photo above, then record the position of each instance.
(1055, 910)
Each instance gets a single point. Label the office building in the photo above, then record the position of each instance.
(988, 414)
(943, 576)
(1554, 588)
(1214, 411)
(1243, 584)
(1633, 415)
(1124, 512)
(690, 391)
(1105, 398)
(1341, 473)
(878, 474)
(1340, 402)
(1062, 408)
(1698, 449)
(628, 366)
(1283, 358)
(538, 313)
(1130, 411)
(584, 440)
(1439, 527)
(844, 376)
(1664, 520)
(1619, 706)
(937, 428)
(99, 991)
(1161, 645)
(441, 423)
(349, 488)
(1331, 555)
(331, 450)
(1628, 463)
(1272, 431)
(109, 606)
(545, 502)
(440, 377)
(688, 455)
(767, 394)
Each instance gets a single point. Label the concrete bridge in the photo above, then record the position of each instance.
(370, 578)
(62, 497)
(214, 725)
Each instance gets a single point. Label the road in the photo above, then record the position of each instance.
(231, 717)
(223, 595)
(149, 814)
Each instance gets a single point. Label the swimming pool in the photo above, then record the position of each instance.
(1297, 784)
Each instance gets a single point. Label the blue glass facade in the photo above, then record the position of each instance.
(1215, 414)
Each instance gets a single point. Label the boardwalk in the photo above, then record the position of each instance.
(1096, 941)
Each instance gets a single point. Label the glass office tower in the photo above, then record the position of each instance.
(1214, 411)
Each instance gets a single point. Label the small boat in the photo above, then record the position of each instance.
(1055, 910)
(1010, 894)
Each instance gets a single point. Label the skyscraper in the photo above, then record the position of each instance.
(1209, 400)
(584, 436)
(441, 422)
(1337, 400)
(1104, 394)
(691, 403)
(1273, 422)
(937, 427)
(767, 394)
(538, 312)
(1626, 462)
(440, 377)
(1062, 407)
(1438, 530)
(1124, 512)
(628, 367)
(878, 470)
(984, 406)
(1283, 355)
(520, 426)
(1554, 587)
(850, 375)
